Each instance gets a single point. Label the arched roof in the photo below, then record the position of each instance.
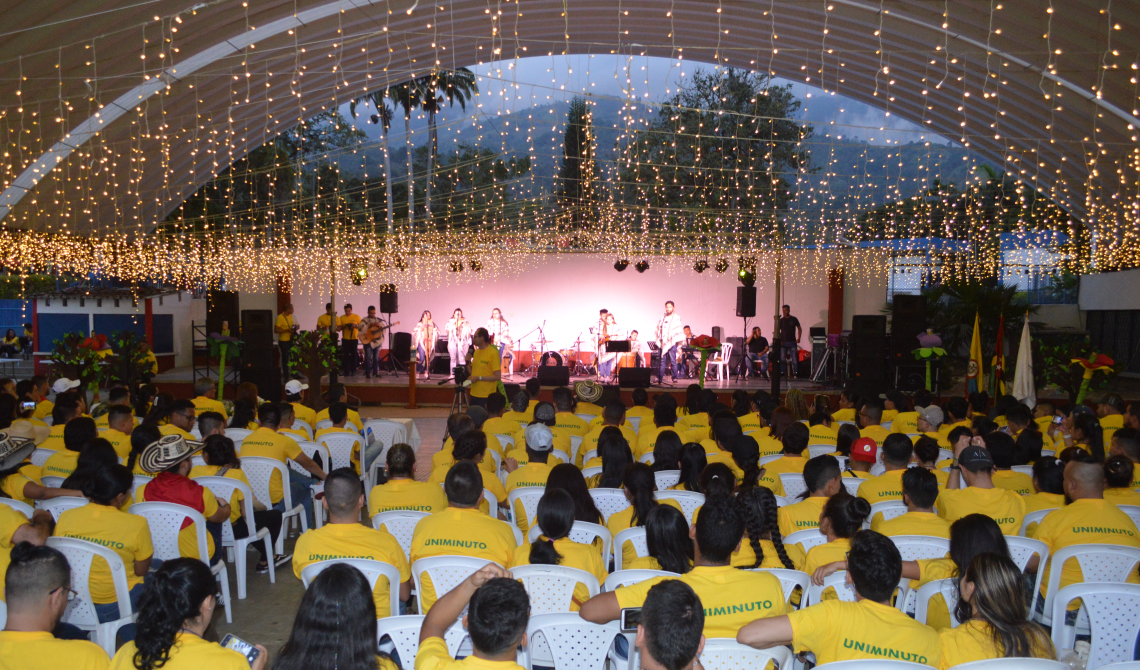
(111, 120)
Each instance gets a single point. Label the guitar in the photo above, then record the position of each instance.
(373, 331)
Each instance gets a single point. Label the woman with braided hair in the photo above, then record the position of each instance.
(764, 545)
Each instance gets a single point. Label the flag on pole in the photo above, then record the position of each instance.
(1023, 388)
(974, 374)
(999, 358)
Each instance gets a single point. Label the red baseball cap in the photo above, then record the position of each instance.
(864, 449)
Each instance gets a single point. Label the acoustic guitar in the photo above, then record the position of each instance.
(373, 331)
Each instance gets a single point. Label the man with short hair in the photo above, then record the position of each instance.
(39, 394)
(284, 327)
(543, 413)
(211, 423)
(206, 397)
(794, 458)
(267, 442)
(37, 591)
(539, 444)
(870, 628)
(61, 414)
(897, 452)
(472, 446)
(957, 414)
(929, 422)
(496, 423)
(327, 323)
(120, 423)
(349, 327)
(338, 414)
(864, 455)
(461, 529)
(183, 414)
(822, 478)
(919, 492)
(117, 395)
(485, 366)
(820, 430)
(1043, 414)
(907, 421)
(669, 338)
(1132, 415)
(533, 387)
(870, 418)
(1126, 442)
(613, 414)
(343, 536)
(372, 348)
(644, 414)
(295, 396)
(790, 335)
(664, 419)
(288, 419)
(975, 466)
(926, 453)
(498, 609)
(669, 635)
(76, 435)
(564, 416)
(520, 412)
(731, 597)
(338, 393)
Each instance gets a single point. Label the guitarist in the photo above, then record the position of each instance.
(371, 329)
(670, 334)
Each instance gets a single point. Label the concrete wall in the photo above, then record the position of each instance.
(863, 298)
(1059, 316)
(1110, 290)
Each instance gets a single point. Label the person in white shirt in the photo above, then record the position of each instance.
(500, 332)
(458, 337)
(670, 334)
(424, 336)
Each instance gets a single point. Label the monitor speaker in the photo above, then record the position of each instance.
(746, 301)
(737, 351)
(267, 379)
(718, 333)
(257, 327)
(632, 377)
(401, 346)
(554, 375)
(441, 364)
(908, 320)
(389, 299)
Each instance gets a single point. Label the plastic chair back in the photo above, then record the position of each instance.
(646, 458)
(1033, 517)
(1022, 550)
(890, 509)
(52, 482)
(947, 588)
(372, 570)
(316, 451)
(582, 532)
(61, 504)
(528, 496)
(551, 587)
(505, 440)
(1023, 469)
(238, 434)
(21, 507)
(404, 632)
(608, 501)
(1103, 563)
(852, 485)
(40, 456)
(689, 500)
(1014, 664)
(667, 479)
(915, 547)
(1133, 512)
(302, 426)
(794, 484)
(574, 643)
(1114, 617)
(789, 580)
(401, 524)
(619, 578)
(636, 535)
(837, 581)
(725, 654)
(342, 447)
(592, 472)
(807, 539)
(764, 460)
(80, 612)
(575, 444)
(446, 572)
(872, 663)
(820, 450)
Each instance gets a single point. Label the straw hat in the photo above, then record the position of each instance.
(13, 450)
(167, 452)
(588, 390)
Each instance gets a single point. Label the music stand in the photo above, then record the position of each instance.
(616, 347)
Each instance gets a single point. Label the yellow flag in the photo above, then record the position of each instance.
(974, 372)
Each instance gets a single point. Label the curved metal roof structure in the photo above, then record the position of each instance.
(110, 119)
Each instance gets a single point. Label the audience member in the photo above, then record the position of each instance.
(268, 443)
(76, 435)
(638, 483)
(920, 491)
(1118, 475)
(554, 547)
(974, 466)
(669, 635)
(1003, 451)
(822, 478)
(498, 609)
(401, 491)
(568, 478)
(667, 541)
(897, 453)
(764, 546)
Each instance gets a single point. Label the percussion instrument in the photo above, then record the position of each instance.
(551, 358)
(626, 360)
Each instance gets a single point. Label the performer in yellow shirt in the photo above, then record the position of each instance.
(349, 327)
(486, 371)
(285, 327)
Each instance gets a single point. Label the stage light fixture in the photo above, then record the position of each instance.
(722, 265)
(475, 264)
(621, 265)
(747, 273)
(701, 265)
(359, 271)
(746, 277)
(641, 266)
(457, 266)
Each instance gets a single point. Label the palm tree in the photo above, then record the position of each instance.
(407, 96)
(383, 116)
(448, 86)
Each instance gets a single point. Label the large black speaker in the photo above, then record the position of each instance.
(871, 324)
(738, 345)
(389, 299)
(554, 375)
(633, 377)
(267, 379)
(908, 320)
(401, 346)
(257, 336)
(441, 364)
(746, 301)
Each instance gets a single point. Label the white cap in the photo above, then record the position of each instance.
(64, 384)
(294, 387)
(539, 437)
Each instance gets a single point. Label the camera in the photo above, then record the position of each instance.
(460, 373)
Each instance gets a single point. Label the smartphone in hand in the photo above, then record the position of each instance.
(231, 641)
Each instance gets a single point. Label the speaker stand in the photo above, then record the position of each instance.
(394, 366)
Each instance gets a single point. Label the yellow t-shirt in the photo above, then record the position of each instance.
(307, 414)
(912, 523)
(769, 446)
(121, 442)
(236, 509)
(1018, 482)
(801, 516)
(767, 478)
(786, 464)
(521, 418)
(433, 655)
(622, 520)
(823, 554)
(746, 556)
(840, 631)
(749, 421)
(54, 441)
(590, 441)
(126, 534)
(351, 325)
(1041, 500)
(460, 532)
(43, 409)
(572, 423)
(171, 429)
(1084, 521)
(531, 474)
(15, 483)
(821, 434)
(884, 488)
(847, 414)
(905, 422)
(943, 443)
(61, 463)
(944, 429)
(500, 425)
(889, 415)
(574, 555)
(34, 650)
(643, 413)
(1003, 506)
(1109, 425)
(324, 321)
(1122, 496)
(974, 641)
(204, 404)
(353, 417)
(352, 540)
(484, 363)
(876, 433)
(406, 494)
(491, 482)
(188, 536)
(285, 321)
(189, 652)
(266, 443)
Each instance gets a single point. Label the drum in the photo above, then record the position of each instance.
(551, 358)
(626, 360)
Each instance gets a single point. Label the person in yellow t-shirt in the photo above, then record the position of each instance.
(1003, 451)
(669, 633)
(182, 416)
(461, 529)
(1110, 411)
(496, 424)
(267, 442)
(402, 492)
(120, 424)
(344, 537)
(763, 545)
(554, 547)
(62, 413)
(284, 327)
(612, 415)
(349, 327)
(894, 403)
(295, 396)
(992, 594)
(926, 454)
(821, 430)
(638, 483)
(640, 410)
(521, 412)
(957, 412)
(1088, 519)
(103, 522)
(498, 610)
(338, 393)
(485, 365)
(746, 458)
(848, 403)
(1118, 473)
(564, 412)
(37, 593)
(920, 491)
(76, 435)
(975, 467)
(206, 398)
(730, 597)
(795, 441)
(472, 446)
(842, 517)
(897, 453)
(929, 423)
(869, 422)
(1126, 442)
(539, 443)
(822, 477)
(1049, 487)
(667, 542)
(869, 628)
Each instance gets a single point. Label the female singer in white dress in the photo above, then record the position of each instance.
(424, 336)
(500, 332)
(608, 330)
(458, 337)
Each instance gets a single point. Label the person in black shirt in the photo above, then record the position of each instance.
(790, 333)
(757, 353)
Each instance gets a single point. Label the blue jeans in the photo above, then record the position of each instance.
(790, 353)
(758, 358)
(669, 357)
(371, 360)
(303, 495)
(421, 359)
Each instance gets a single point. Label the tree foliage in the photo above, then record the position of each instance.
(578, 172)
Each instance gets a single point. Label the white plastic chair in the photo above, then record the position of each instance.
(725, 654)
(39, 456)
(342, 447)
(585, 417)
(529, 497)
(1022, 550)
(667, 479)
(165, 521)
(194, 432)
(61, 504)
(1012, 664)
(789, 580)
(781, 501)
(551, 587)
(820, 450)
(877, 469)
(690, 501)
(589, 455)
(872, 664)
(636, 535)
(948, 589)
(764, 460)
(404, 632)
(1133, 512)
(326, 423)
(1127, 665)
(237, 435)
(1025, 470)
(1033, 517)
(793, 483)
(634, 422)
(315, 451)
(575, 444)
(914, 548)
(505, 440)
(837, 581)
(573, 642)
(609, 501)
(620, 578)
(259, 471)
(592, 472)
(1114, 618)
(808, 538)
(386, 432)
(890, 509)
(140, 480)
(401, 524)
(646, 458)
(372, 570)
(223, 489)
(302, 426)
(582, 532)
(52, 482)
(1103, 563)
(21, 507)
(852, 485)
(558, 454)
(720, 361)
(81, 611)
(446, 572)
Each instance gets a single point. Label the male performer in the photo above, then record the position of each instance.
(326, 323)
(372, 349)
(500, 333)
(635, 347)
(349, 326)
(284, 327)
(790, 334)
(670, 334)
(689, 361)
